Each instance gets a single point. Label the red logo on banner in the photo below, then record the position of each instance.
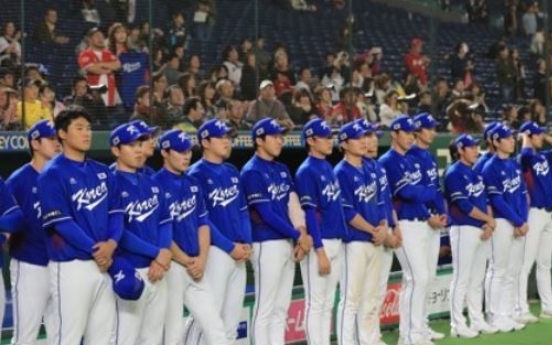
(390, 309)
(295, 330)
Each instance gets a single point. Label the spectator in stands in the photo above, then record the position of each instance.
(173, 108)
(7, 78)
(362, 75)
(529, 19)
(30, 109)
(179, 51)
(463, 117)
(263, 56)
(233, 64)
(282, 75)
(193, 116)
(440, 97)
(334, 81)
(117, 39)
(172, 69)
(541, 81)
(236, 116)
(217, 73)
(267, 105)
(32, 71)
(250, 78)
(390, 108)
(246, 47)
(177, 32)
(142, 109)
(159, 83)
(10, 48)
(417, 63)
(506, 75)
(424, 102)
(324, 103)
(365, 106)
(345, 110)
(302, 108)
(519, 80)
(461, 67)
(478, 11)
(225, 90)
(89, 12)
(511, 18)
(538, 112)
(194, 67)
(205, 16)
(158, 60)
(89, 99)
(187, 82)
(458, 89)
(302, 5)
(305, 80)
(476, 94)
(8, 110)
(49, 101)
(46, 31)
(207, 94)
(100, 66)
(538, 45)
(524, 114)
(510, 117)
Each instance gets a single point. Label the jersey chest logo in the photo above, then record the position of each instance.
(224, 196)
(142, 209)
(475, 190)
(181, 210)
(365, 193)
(331, 191)
(511, 185)
(90, 198)
(541, 168)
(278, 191)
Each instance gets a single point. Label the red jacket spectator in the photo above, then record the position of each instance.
(343, 113)
(416, 62)
(99, 64)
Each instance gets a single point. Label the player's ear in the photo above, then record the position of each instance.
(165, 154)
(393, 134)
(115, 151)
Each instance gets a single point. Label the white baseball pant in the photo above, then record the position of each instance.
(274, 268)
(227, 280)
(469, 258)
(433, 261)
(385, 270)
(198, 299)
(31, 301)
(358, 309)
(141, 321)
(83, 303)
(538, 247)
(504, 270)
(320, 292)
(415, 258)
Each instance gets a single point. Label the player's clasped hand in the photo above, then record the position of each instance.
(438, 221)
(379, 236)
(241, 252)
(521, 231)
(103, 252)
(324, 264)
(305, 242)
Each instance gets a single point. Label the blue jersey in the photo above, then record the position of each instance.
(146, 218)
(29, 244)
(269, 183)
(8, 206)
(430, 176)
(464, 190)
(506, 189)
(538, 178)
(319, 190)
(224, 199)
(384, 194)
(133, 74)
(83, 192)
(410, 195)
(359, 190)
(146, 170)
(481, 161)
(187, 209)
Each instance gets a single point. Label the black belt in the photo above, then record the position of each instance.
(416, 219)
(547, 209)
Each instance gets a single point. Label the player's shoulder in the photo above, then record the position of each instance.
(22, 174)
(251, 165)
(231, 168)
(387, 157)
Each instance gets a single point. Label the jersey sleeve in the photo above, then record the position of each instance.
(457, 192)
(496, 196)
(401, 186)
(7, 201)
(256, 190)
(307, 189)
(347, 196)
(53, 199)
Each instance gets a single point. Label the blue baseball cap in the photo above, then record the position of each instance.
(500, 131)
(488, 129)
(370, 127)
(351, 130)
(531, 127)
(41, 129)
(144, 128)
(213, 129)
(125, 134)
(425, 120)
(126, 280)
(176, 140)
(317, 128)
(266, 126)
(403, 123)
(465, 140)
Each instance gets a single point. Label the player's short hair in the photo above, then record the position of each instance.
(453, 150)
(70, 114)
(191, 103)
(141, 91)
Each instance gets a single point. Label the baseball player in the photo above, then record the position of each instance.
(228, 220)
(190, 245)
(394, 238)
(367, 225)
(30, 277)
(83, 220)
(268, 185)
(410, 197)
(508, 198)
(478, 166)
(419, 152)
(320, 197)
(145, 242)
(148, 145)
(472, 225)
(538, 241)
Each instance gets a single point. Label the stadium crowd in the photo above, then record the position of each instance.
(129, 70)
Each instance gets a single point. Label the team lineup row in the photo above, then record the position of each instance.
(114, 255)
